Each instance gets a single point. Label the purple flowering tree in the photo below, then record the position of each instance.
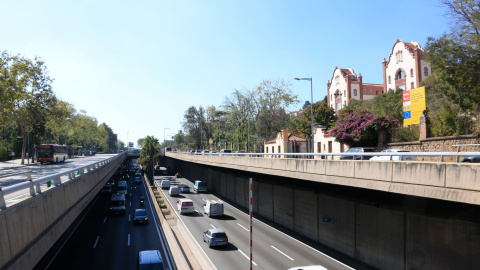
(360, 127)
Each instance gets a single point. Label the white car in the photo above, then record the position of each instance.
(174, 191)
(391, 151)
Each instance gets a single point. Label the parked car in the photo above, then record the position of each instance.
(225, 151)
(88, 153)
(408, 158)
(358, 150)
(205, 152)
(215, 237)
(472, 159)
(174, 191)
(140, 216)
(240, 152)
(149, 259)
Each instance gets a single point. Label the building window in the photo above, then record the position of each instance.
(371, 91)
(337, 80)
(400, 74)
(376, 92)
(344, 93)
(365, 91)
(399, 56)
(355, 92)
(411, 72)
(389, 80)
(412, 86)
(425, 71)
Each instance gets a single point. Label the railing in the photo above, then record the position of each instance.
(34, 184)
(441, 155)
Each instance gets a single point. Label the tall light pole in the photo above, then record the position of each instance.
(164, 136)
(311, 103)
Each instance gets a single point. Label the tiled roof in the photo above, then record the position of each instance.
(271, 141)
(292, 137)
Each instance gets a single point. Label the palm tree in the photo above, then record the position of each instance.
(150, 150)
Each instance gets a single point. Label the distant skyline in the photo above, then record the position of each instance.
(138, 66)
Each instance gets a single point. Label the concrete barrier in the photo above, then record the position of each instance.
(31, 227)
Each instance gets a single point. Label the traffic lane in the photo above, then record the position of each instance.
(108, 242)
(222, 257)
(270, 243)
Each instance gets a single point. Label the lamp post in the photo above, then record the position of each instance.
(164, 136)
(311, 103)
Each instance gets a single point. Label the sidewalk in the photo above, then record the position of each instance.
(10, 164)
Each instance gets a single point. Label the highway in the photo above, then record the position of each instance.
(272, 249)
(101, 241)
(7, 179)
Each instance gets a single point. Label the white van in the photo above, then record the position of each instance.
(122, 188)
(174, 191)
(117, 204)
(185, 206)
(213, 208)
(149, 259)
(165, 184)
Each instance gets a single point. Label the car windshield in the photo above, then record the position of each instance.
(140, 213)
(219, 235)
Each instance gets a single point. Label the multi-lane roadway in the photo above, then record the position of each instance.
(272, 249)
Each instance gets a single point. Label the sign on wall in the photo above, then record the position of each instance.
(413, 105)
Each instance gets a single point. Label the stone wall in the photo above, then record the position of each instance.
(437, 144)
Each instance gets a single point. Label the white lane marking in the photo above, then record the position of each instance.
(128, 239)
(179, 218)
(247, 257)
(213, 226)
(94, 246)
(204, 200)
(129, 217)
(248, 215)
(105, 219)
(130, 204)
(282, 253)
(243, 227)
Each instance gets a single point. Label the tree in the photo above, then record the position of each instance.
(306, 105)
(322, 115)
(239, 110)
(271, 100)
(58, 119)
(360, 127)
(150, 150)
(455, 56)
(390, 104)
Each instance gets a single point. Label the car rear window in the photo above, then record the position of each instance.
(219, 235)
(188, 203)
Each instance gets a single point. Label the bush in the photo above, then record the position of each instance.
(406, 134)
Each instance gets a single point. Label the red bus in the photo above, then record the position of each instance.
(51, 153)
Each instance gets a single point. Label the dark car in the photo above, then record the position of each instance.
(107, 189)
(138, 180)
(140, 216)
(358, 150)
(215, 237)
(475, 159)
(88, 153)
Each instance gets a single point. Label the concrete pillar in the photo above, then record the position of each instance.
(283, 206)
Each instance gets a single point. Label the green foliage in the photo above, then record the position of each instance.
(322, 115)
(406, 134)
(390, 103)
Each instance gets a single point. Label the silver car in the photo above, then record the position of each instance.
(215, 237)
(391, 151)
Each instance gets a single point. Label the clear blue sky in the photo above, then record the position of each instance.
(138, 65)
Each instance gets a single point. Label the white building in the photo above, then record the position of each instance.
(325, 143)
(345, 85)
(406, 66)
(285, 142)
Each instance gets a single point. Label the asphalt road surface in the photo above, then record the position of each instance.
(272, 249)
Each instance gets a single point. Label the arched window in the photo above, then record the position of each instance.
(365, 91)
(425, 71)
(355, 92)
(412, 86)
(411, 72)
(371, 91)
(389, 79)
(400, 74)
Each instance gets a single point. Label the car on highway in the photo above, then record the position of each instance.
(117, 204)
(107, 189)
(149, 260)
(138, 180)
(138, 173)
(140, 216)
(174, 191)
(200, 186)
(215, 237)
(386, 151)
(184, 189)
(475, 159)
(185, 206)
(165, 184)
(358, 150)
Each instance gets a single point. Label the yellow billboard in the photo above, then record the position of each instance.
(413, 105)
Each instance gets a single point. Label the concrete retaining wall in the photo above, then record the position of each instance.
(377, 234)
(30, 228)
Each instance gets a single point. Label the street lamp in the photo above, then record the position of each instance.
(164, 136)
(311, 103)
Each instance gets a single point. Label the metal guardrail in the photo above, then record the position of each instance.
(34, 184)
(442, 155)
